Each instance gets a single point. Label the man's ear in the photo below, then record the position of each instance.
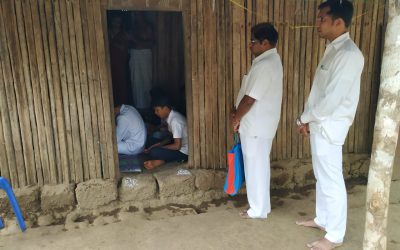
(339, 22)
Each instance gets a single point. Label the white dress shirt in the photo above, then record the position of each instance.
(334, 95)
(178, 127)
(130, 131)
(264, 84)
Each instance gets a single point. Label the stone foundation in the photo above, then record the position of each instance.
(67, 203)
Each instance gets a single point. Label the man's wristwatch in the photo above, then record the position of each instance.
(298, 122)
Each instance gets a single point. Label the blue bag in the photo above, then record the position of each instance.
(235, 178)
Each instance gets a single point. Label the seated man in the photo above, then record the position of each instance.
(130, 130)
(165, 151)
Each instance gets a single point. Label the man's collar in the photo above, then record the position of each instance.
(265, 54)
(169, 116)
(340, 40)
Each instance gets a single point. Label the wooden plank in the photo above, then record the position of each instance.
(221, 49)
(95, 169)
(208, 122)
(97, 84)
(367, 100)
(285, 94)
(195, 86)
(302, 69)
(365, 47)
(311, 13)
(188, 57)
(68, 173)
(49, 170)
(27, 171)
(105, 79)
(314, 62)
(76, 94)
(377, 67)
(86, 124)
(353, 135)
(4, 171)
(229, 71)
(8, 108)
(112, 151)
(58, 102)
(76, 140)
(25, 20)
(295, 82)
(291, 84)
(53, 142)
(5, 140)
(201, 77)
(214, 88)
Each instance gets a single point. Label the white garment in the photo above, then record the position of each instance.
(256, 151)
(334, 95)
(178, 127)
(331, 196)
(263, 83)
(130, 131)
(141, 69)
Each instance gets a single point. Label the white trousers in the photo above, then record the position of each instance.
(141, 69)
(256, 152)
(331, 200)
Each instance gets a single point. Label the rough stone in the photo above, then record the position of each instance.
(303, 174)
(45, 220)
(220, 176)
(137, 188)
(10, 227)
(99, 221)
(205, 179)
(175, 181)
(28, 200)
(96, 192)
(282, 174)
(58, 197)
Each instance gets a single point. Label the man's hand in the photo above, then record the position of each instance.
(304, 130)
(235, 123)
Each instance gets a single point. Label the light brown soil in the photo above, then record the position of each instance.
(215, 226)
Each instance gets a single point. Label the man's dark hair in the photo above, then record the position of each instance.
(265, 31)
(339, 9)
(161, 101)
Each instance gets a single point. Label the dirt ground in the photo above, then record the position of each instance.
(215, 225)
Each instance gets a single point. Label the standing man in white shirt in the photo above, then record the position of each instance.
(327, 116)
(130, 130)
(258, 109)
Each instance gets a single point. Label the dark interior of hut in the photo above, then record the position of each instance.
(147, 64)
(146, 59)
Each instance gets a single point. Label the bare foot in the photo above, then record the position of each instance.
(153, 164)
(323, 244)
(309, 223)
(244, 215)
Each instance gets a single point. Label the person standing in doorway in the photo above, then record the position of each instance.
(141, 60)
(327, 116)
(256, 117)
(119, 60)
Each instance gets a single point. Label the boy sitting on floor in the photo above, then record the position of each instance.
(164, 151)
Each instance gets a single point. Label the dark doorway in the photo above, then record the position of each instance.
(134, 72)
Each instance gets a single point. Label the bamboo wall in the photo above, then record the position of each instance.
(220, 56)
(55, 95)
(55, 108)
